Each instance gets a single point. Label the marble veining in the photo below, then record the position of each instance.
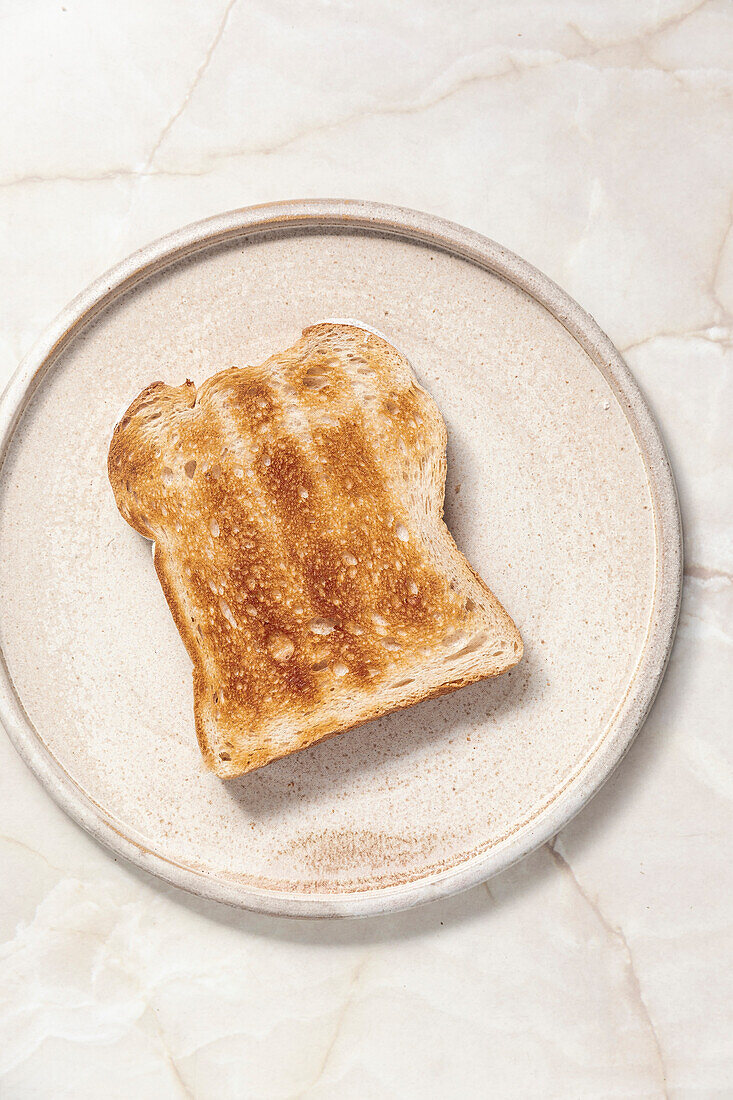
(596, 141)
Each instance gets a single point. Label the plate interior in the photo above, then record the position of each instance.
(547, 495)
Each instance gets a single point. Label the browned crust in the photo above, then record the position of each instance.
(378, 712)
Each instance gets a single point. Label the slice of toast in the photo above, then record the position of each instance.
(296, 509)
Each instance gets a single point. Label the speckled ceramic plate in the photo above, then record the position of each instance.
(559, 492)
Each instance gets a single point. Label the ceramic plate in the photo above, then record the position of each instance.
(559, 493)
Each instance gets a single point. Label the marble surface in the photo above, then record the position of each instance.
(597, 141)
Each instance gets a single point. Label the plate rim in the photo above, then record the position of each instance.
(632, 710)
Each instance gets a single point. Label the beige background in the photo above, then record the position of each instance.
(595, 141)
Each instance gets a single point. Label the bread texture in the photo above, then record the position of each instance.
(296, 511)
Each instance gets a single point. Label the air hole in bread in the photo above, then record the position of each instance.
(215, 472)
(280, 646)
(303, 494)
(354, 628)
(454, 637)
(238, 471)
(214, 528)
(266, 460)
(403, 683)
(391, 644)
(402, 533)
(227, 612)
(322, 626)
(340, 669)
(190, 467)
(366, 371)
(167, 475)
(315, 379)
(349, 559)
(320, 666)
(402, 446)
(224, 756)
(413, 589)
(470, 605)
(473, 646)
(391, 407)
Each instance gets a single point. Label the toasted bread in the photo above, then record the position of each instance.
(296, 510)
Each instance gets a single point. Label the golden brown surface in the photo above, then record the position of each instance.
(295, 508)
